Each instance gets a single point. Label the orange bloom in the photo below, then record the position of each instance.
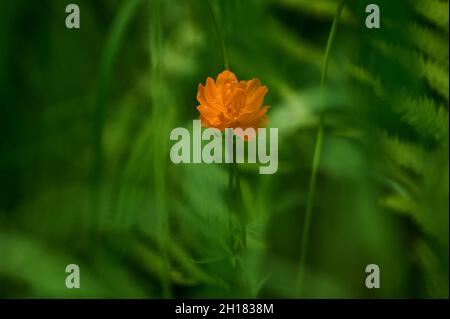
(229, 103)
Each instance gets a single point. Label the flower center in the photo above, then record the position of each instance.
(234, 101)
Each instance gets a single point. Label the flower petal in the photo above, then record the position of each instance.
(212, 95)
(227, 102)
(255, 98)
(226, 77)
(201, 95)
(253, 118)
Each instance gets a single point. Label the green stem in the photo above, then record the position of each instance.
(220, 36)
(330, 41)
(234, 188)
(235, 207)
(316, 159)
(238, 234)
(239, 204)
(230, 191)
(237, 226)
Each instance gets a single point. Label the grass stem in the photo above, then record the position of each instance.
(220, 36)
(316, 161)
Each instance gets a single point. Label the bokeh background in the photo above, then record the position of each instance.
(85, 174)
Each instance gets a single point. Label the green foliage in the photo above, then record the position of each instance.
(85, 174)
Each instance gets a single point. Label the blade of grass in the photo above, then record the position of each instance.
(161, 117)
(219, 35)
(106, 70)
(316, 160)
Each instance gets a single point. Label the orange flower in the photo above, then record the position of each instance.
(229, 103)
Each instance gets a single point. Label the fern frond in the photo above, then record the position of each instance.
(434, 11)
(436, 275)
(414, 62)
(404, 154)
(404, 205)
(430, 43)
(436, 77)
(424, 114)
(428, 117)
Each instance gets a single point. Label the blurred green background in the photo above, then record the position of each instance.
(85, 174)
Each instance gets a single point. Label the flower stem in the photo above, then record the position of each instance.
(236, 218)
(237, 228)
(220, 36)
(316, 159)
(230, 189)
